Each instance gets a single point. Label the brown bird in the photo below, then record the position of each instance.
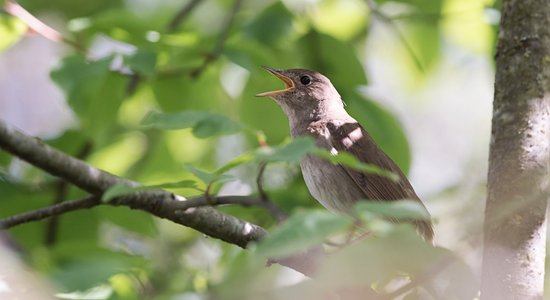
(314, 108)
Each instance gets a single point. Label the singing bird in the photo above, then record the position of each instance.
(314, 108)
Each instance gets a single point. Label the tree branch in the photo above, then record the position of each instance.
(220, 43)
(160, 203)
(38, 26)
(265, 202)
(61, 188)
(391, 24)
(182, 15)
(50, 211)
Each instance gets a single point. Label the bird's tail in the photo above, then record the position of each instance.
(425, 229)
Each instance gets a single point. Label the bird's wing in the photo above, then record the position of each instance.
(352, 138)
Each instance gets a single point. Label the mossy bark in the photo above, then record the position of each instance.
(518, 182)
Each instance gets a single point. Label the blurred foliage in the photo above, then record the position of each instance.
(152, 80)
(11, 30)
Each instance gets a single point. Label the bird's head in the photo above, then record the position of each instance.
(307, 96)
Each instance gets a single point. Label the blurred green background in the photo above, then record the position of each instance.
(416, 73)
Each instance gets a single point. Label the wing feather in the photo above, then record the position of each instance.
(352, 138)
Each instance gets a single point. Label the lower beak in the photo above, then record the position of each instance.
(289, 84)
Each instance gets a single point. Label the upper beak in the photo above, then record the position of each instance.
(289, 84)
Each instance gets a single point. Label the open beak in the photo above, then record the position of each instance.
(289, 84)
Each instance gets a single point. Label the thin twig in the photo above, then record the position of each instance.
(182, 14)
(53, 210)
(220, 43)
(61, 188)
(38, 26)
(133, 83)
(177, 20)
(94, 200)
(391, 24)
(266, 202)
(259, 181)
(420, 279)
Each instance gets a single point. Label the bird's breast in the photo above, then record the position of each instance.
(329, 184)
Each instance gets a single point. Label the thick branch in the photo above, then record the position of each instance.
(160, 203)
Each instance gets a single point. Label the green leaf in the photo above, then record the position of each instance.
(118, 190)
(11, 30)
(425, 40)
(271, 26)
(335, 59)
(178, 93)
(93, 91)
(204, 124)
(302, 231)
(127, 26)
(400, 209)
(207, 177)
(292, 152)
(143, 62)
(235, 162)
(100, 292)
(423, 6)
(351, 161)
(384, 128)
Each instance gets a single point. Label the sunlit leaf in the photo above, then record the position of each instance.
(291, 152)
(424, 39)
(423, 6)
(400, 209)
(342, 19)
(207, 177)
(235, 162)
(11, 30)
(351, 161)
(204, 124)
(302, 231)
(100, 292)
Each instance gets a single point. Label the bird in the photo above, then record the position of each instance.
(314, 108)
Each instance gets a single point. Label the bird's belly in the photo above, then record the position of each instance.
(330, 184)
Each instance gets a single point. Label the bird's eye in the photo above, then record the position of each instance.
(305, 80)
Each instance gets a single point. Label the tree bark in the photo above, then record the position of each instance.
(518, 182)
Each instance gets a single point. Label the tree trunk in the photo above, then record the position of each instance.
(518, 183)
